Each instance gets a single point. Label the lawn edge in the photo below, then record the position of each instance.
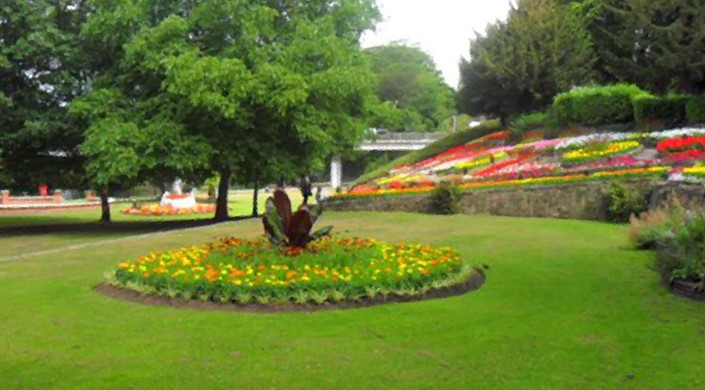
(474, 282)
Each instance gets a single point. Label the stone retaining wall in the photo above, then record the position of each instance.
(571, 201)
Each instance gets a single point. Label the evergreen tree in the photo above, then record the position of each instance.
(520, 65)
(656, 44)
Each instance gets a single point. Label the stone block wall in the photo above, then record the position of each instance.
(571, 201)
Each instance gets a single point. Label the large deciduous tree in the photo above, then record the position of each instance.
(255, 86)
(520, 65)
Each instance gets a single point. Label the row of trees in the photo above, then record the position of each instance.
(113, 93)
(119, 92)
(549, 46)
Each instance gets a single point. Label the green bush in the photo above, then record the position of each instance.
(527, 122)
(593, 106)
(681, 252)
(445, 199)
(646, 230)
(623, 201)
(695, 110)
(665, 111)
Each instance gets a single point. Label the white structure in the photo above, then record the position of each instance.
(336, 172)
(178, 186)
(385, 141)
(180, 201)
(400, 141)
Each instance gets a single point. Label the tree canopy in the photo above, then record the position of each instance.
(244, 88)
(519, 65)
(41, 72)
(407, 78)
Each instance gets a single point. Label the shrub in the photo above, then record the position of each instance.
(592, 106)
(654, 112)
(681, 252)
(646, 230)
(527, 122)
(695, 110)
(445, 199)
(623, 201)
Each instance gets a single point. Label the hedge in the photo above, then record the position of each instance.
(527, 122)
(656, 111)
(695, 110)
(599, 105)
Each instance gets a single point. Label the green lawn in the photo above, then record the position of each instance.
(566, 306)
(49, 230)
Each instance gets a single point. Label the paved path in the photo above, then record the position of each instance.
(98, 243)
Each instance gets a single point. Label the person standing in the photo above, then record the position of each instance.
(306, 188)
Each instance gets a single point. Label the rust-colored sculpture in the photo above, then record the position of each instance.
(285, 229)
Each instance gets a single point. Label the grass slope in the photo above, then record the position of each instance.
(455, 139)
(566, 306)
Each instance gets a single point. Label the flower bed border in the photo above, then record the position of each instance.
(474, 282)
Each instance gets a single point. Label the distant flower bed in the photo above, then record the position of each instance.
(600, 153)
(530, 178)
(157, 210)
(681, 144)
(255, 271)
(489, 162)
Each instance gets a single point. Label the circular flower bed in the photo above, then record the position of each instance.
(329, 271)
(157, 210)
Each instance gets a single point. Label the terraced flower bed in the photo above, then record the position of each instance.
(489, 162)
(330, 271)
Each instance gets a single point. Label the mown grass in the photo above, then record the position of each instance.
(47, 230)
(567, 305)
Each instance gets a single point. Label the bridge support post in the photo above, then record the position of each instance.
(336, 172)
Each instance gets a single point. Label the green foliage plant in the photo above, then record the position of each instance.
(528, 122)
(654, 112)
(695, 110)
(445, 199)
(623, 201)
(681, 251)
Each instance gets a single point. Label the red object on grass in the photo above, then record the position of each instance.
(44, 190)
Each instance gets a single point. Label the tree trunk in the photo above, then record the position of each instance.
(255, 199)
(104, 206)
(221, 204)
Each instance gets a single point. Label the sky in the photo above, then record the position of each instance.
(442, 28)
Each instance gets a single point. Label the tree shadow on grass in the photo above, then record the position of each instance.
(97, 228)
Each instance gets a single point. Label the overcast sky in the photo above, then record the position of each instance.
(442, 28)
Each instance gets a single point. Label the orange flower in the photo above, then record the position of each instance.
(212, 275)
(237, 273)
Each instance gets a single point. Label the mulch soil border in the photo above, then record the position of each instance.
(474, 282)
(683, 289)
